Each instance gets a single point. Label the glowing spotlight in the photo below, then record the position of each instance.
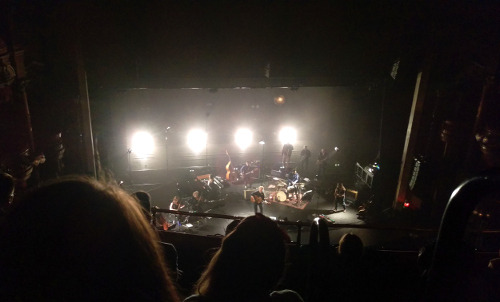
(279, 100)
(288, 135)
(197, 140)
(243, 138)
(142, 144)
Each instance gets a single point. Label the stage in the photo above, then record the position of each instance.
(237, 203)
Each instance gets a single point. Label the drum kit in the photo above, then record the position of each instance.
(281, 192)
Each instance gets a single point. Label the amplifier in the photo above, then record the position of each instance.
(247, 193)
(351, 195)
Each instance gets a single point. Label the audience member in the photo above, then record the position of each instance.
(350, 270)
(312, 274)
(144, 199)
(169, 250)
(493, 274)
(248, 265)
(350, 248)
(7, 188)
(78, 239)
(231, 226)
(494, 265)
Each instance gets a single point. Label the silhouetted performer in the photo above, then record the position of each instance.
(286, 154)
(305, 154)
(321, 162)
(340, 195)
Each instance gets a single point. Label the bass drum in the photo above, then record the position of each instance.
(280, 196)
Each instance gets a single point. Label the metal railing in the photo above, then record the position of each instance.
(301, 224)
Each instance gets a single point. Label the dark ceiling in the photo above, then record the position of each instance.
(143, 43)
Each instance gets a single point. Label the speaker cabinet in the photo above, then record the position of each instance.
(247, 193)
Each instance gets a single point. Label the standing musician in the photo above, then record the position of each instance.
(286, 154)
(257, 199)
(305, 154)
(246, 172)
(340, 195)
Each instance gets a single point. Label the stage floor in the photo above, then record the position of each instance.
(290, 209)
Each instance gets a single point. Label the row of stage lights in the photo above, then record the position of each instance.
(143, 143)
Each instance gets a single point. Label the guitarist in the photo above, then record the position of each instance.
(246, 172)
(339, 195)
(257, 199)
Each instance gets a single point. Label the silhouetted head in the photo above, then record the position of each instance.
(350, 247)
(249, 263)
(144, 200)
(231, 226)
(78, 238)
(7, 186)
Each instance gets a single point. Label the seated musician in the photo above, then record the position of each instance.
(293, 181)
(176, 205)
(196, 201)
(294, 178)
(257, 199)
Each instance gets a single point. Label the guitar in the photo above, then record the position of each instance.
(322, 158)
(339, 193)
(256, 199)
(247, 174)
(321, 161)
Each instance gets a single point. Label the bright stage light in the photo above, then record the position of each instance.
(243, 138)
(279, 100)
(288, 135)
(197, 140)
(142, 144)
